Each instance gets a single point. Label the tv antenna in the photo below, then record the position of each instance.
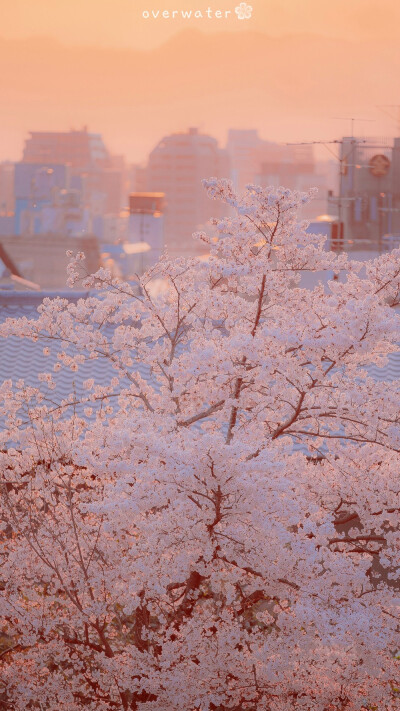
(352, 119)
(341, 158)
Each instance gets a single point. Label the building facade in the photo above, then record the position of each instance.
(6, 189)
(265, 163)
(98, 175)
(176, 167)
(146, 227)
(368, 202)
(80, 149)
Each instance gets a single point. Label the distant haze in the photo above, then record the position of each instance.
(290, 88)
(120, 23)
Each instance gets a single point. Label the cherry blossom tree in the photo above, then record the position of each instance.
(224, 533)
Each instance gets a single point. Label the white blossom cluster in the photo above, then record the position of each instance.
(177, 551)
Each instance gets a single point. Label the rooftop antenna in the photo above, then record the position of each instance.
(341, 158)
(352, 119)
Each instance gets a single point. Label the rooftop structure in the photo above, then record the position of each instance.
(368, 203)
(146, 203)
(80, 149)
(146, 225)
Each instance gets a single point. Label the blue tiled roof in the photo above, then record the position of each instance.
(390, 372)
(21, 358)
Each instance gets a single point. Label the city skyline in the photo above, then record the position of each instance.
(302, 85)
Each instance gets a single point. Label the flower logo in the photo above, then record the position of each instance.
(243, 11)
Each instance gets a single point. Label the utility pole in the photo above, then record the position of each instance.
(343, 164)
(352, 119)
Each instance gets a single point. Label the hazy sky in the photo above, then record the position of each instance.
(290, 71)
(119, 23)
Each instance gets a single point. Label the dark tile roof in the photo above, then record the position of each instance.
(21, 358)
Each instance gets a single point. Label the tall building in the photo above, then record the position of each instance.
(80, 149)
(176, 167)
(97, 174)
(136, 178)
(243, 148)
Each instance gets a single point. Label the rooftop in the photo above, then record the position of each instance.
(21, 358)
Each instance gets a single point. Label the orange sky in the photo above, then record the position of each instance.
(290, 71)
(119, 23)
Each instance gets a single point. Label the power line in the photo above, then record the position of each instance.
(341, 158)
(352, 119)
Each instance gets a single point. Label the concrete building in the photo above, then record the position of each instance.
(266, 163)
(99, 175)
(80, 149)
(49, 219)
(66, 216)
(139, 242)
(368, 203)
(6, 189)
(136, 178)
(291, 166)
(251, 156)
(243, 149)
(46, 204)
(176, 167)
(112, 229)
(34, 188)
(146, 225)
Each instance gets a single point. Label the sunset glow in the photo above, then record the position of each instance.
(290, 69)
